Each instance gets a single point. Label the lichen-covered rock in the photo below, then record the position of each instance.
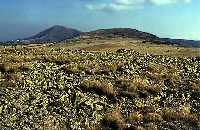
(63, 89)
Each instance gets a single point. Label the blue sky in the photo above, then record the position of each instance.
(165, 18)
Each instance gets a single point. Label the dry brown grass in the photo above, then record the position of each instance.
(131, 88)
(99, 87)
(172, 115)
(153, 117)
(135, 118)
(114, 121)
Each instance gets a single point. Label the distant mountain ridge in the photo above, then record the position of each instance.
(59, 33)
(184, 42)
(56, 33)
(139, 35)
(121, 32)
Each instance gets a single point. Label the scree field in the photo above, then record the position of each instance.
(99, 87)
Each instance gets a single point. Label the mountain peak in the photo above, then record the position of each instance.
(59, 27)
(55, 33)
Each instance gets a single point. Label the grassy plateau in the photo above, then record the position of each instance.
(96, 85)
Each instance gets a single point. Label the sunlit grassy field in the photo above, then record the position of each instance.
(94, 84)
(114, 44)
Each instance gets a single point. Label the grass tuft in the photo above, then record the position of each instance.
(101, 88)
(114, 121)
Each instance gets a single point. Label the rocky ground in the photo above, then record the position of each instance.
(63, 89)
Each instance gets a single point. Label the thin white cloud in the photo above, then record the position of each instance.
(122, 5)
(164, 2)
(129, 2)
(112, 7)
(117, 5)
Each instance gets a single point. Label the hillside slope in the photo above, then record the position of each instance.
(138, 35)
(54, 34)
(120, 32)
